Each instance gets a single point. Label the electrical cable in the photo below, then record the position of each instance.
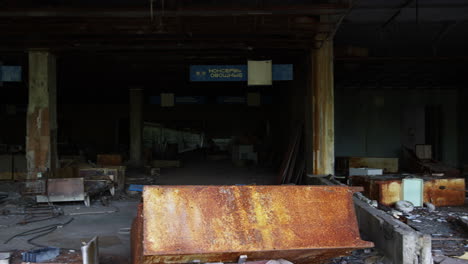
(44, 230)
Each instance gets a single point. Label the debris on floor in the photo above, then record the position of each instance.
(389, 189)
(362, 256)
(166, 163)
(446, 225)
(40, 255)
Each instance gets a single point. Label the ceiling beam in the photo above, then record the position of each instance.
(329, 9)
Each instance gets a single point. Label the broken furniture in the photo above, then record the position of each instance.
(116, 174)
(92, 182)
(427, 166)
(186, 224)
(64, 190)
(387, 189)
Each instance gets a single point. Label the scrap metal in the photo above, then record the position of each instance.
(303, 224)
(90, 251)
(63, 190)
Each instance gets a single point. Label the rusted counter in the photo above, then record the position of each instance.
(303, 224)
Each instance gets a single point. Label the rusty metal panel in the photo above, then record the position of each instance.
(445, 192)
(386, 192)
(304, 224)
(390, 192)
(389, 165)
(136, 237)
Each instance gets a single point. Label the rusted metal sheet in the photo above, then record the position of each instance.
(136, 237)
(304, 224)
(385, 191)
(388, 192)
(452, 192)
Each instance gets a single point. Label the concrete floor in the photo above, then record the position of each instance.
(94, 221)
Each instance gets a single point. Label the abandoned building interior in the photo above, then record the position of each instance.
(222, 131)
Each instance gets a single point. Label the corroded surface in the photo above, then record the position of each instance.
(220, 223)
(388, 192)
(452, 194)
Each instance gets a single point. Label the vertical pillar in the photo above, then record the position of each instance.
(323, 130)
(136, 127)
(41, 121)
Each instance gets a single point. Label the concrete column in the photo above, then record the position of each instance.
(136, 126)
(41, 121)
(323, 125)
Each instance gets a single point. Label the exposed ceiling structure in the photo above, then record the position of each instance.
(407, 27)
(167, 24)
(387, 28)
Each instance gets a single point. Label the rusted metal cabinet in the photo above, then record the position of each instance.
(387, 190)
(303, 224)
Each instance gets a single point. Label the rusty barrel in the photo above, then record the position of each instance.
(303, 224)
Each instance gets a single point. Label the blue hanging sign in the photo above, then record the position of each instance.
(235, 73)
(218, 73)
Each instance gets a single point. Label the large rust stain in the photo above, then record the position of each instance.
(38, 141)
(220, 223)
(452, 192)
(388, 192)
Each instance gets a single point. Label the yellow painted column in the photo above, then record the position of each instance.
(323, 125)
